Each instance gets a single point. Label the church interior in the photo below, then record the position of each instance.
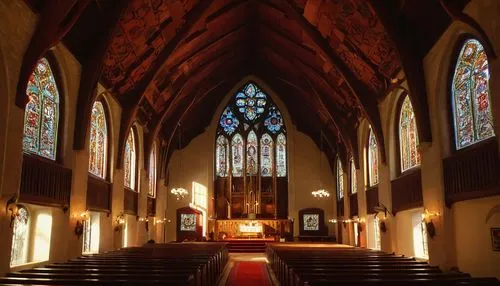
(249, 142)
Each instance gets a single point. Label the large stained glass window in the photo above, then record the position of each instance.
(471, 96)
(252, 153)
(221, 156)
(19, 250)
(237, 155)
(253, 125)
(340, 179)
(152, 172)
(281, 155)
(266, 155)
(41, 115)
(129, 161)
(372, 160)
(98, 146)
(408, 137)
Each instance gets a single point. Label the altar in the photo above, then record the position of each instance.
(250, 228)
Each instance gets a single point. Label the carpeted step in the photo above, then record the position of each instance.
(251, 246)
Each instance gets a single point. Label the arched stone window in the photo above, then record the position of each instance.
(41, 117)
(130, 161)
(408, 136)
(373, 163)
(473, 120)
(354, 182)
(152, 172)
(340, 180)
(254, 126)
(98, 145)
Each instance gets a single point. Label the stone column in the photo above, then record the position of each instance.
(442, 246)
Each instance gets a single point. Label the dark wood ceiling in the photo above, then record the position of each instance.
(166, 61)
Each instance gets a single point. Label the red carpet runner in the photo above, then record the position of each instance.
(248, 274)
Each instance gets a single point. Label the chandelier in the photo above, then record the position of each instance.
(320, 192)
(179, 192)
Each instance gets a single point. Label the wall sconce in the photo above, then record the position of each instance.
(429, 225)
(12, 209)
(383, 227)
(333, 220)
(79, 227)
(119, 221)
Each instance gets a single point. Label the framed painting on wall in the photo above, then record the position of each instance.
(311, 222)
(188, 222)
(495, 238)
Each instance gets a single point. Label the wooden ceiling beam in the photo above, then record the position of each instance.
(56, 19)
(366, 97)
(403, 35)
(193, 80)
(91, 72)
(130, 101)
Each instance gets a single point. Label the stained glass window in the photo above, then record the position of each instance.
(281, 155)
(228, 121)
(274, 121)
(152, 172)
(340, 179)
(251, 102)
(471, 96)
(237, 155)
(252, 153)
(129, 162)
(98, 146)
(19, 250)
(41, 115)
(250, 126)
(372, 159)
(221, 157)
(408, 137)
(266, 155)
(354, 182)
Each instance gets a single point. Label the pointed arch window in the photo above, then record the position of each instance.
(266, 155)
(130, 161)
(354, 182)
(237, 155)
(340, 179)
(255, 129)
(21, 226)
(373, 163)
(152, 172)
(98, 145)
(41, 117)
(408, 136)
(471, 96)
(281, 155)
(221, 157)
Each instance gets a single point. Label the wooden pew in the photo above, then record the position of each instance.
(198, 264)
(354, 266)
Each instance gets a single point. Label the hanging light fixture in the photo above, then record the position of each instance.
(179, 191)
(320, 192)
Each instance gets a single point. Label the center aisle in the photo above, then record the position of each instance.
(247, 269)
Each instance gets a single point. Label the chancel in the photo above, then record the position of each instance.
(249, 142)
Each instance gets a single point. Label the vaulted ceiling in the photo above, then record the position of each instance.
(171, 61)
